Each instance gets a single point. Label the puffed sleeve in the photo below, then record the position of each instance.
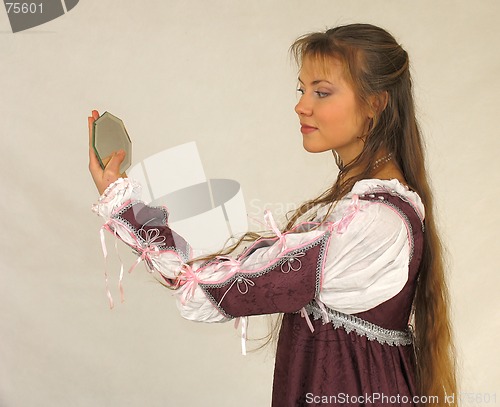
(369, 260)
(280, 274)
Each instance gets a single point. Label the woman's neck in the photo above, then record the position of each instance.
(383, 167)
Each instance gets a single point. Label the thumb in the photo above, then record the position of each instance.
(115, 161)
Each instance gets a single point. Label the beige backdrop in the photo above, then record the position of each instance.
(218, 73)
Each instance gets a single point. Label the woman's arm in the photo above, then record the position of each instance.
(280, 274)
(368, 262)
(274, 275)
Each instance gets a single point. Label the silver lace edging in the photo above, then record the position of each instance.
(183, 254)
(361, 327)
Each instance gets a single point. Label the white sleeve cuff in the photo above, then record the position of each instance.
(115, 195)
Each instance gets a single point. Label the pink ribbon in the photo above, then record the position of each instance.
(191, 280)
(120, 285)
(146, 253)
(105, 253)
(152, 240)
(351, 211)
(238, 281)
(233, 264)
(149, 248)
(304, 314)
(324, 313)
(244, 327)
(152, 236)
(289, 262)
(268, 217)
(190, 283)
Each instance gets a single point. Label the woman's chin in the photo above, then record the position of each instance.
(311, 148)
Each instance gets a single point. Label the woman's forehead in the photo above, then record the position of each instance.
(317, 68)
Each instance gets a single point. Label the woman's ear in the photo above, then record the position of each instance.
(378, 103)
(384, 99)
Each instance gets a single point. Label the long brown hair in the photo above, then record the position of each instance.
(374, 63)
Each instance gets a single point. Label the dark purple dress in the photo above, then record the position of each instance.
(365, 359)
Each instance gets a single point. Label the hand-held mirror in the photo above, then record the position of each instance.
(109, 135)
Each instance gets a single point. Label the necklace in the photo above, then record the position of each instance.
(381, 161)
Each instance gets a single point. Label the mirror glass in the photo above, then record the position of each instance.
(109, 135)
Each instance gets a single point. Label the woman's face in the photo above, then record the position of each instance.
(329, 114)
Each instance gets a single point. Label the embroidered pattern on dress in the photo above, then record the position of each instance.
(362, 327)
(241, 277)
(293, 263)
(142, 237)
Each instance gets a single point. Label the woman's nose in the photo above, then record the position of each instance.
(303, 107)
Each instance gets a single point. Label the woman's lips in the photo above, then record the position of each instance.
(305, 129)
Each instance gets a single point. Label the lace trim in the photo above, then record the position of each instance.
(378, 198)
(361, 327)
(247, 275)
(140, 238)
(382, 189)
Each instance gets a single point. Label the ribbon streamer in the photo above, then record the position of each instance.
(244, 328)
(304, 314)
(120, 280)
(324, 314)
(268, 217)
(148, 249)
(105, 253)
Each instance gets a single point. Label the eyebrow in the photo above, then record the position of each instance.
(315, 82)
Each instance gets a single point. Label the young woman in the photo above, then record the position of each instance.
(358, 271)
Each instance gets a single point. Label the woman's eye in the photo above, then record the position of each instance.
(300, 90)
(321, 94)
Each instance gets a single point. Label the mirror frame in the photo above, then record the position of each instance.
(128, 158)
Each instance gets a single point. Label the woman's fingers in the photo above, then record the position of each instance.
(106, 160)
(113, 165)
(94, 165)
(90, 122)
(111, 172)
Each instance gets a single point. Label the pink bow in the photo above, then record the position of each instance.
(268, 217)
(152, 240)
(190, 282)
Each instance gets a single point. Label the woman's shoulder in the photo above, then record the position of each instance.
(367, 187)
(391, 186)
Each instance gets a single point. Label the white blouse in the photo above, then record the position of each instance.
(366, 256)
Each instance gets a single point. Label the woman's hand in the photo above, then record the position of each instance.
(103, 178)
